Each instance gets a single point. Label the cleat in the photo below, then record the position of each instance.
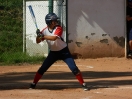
(130, 54)
(84, 86)
(32, 86)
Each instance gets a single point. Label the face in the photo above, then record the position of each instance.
(54, 23)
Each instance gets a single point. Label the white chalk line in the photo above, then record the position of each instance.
(77, 65)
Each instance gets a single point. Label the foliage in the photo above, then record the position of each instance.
(11, 26)
(11, 33)
(19, 57)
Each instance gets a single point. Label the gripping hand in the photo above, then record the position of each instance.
(39, 34)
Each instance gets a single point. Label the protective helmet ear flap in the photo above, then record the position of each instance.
(50, 17)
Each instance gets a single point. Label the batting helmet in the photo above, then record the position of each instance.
(51, 17)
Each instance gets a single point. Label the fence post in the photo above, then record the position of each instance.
(50, 6)
(24, 26)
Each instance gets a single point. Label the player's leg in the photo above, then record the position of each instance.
(70, 62)
(67, 58)
(51, 58)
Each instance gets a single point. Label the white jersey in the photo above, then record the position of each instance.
(58, 44)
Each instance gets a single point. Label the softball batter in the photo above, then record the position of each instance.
(58, 50)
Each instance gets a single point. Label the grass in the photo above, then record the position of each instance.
(19, 57)
(11, 34)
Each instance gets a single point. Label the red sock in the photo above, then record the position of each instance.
(36, 78)
(80, 78)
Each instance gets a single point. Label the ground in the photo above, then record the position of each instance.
(107, 78)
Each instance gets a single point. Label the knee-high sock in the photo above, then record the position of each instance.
(37, 77)
(80, 78)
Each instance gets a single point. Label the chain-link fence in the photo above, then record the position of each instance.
(17, 30)
(41, 8)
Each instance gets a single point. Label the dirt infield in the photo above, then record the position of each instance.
(107, 78)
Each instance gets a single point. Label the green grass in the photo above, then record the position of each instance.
(11, 34)
(19, 57)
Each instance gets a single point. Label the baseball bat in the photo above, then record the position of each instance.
(33, 15)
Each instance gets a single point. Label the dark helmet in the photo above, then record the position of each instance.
(51, 17)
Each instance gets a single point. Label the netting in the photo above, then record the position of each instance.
(17, 30)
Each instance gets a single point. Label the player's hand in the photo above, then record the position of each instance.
(37, 31)
(39, 34)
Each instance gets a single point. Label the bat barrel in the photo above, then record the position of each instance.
(33, 15)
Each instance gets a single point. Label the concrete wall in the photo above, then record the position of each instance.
(96, 28)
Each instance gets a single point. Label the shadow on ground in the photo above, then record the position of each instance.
(56, 80)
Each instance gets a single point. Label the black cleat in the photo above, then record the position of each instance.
(130, 55)
(84, 86)
(32, 86)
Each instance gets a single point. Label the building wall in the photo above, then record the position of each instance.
(96, 28)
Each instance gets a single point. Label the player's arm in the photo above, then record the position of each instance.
(52, 38)
(57, 34)
(38, 39)
(40, 36)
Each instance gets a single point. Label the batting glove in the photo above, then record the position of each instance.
(39, 34)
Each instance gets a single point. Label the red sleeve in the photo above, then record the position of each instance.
(58, 31)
